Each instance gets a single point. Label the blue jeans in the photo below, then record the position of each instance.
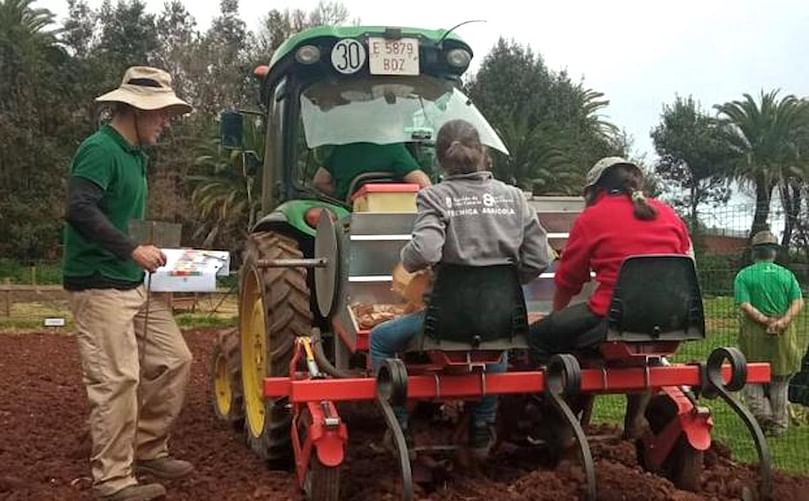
(391, 337)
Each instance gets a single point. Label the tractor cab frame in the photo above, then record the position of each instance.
(331, 86)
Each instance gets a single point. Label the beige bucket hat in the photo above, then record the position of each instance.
(600, 167)
(764, 238)
(148, 89)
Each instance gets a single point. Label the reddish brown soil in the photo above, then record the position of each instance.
(43, 448)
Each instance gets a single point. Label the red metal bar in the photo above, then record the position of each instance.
(474, 385)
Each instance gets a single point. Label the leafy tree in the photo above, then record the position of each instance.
(225, 80)
(551, 125)
(694, 159)
(79, 28)
(128, 36)
(34, 131)
(766, 137)
(278, 25)
(178, 46)
(105, 42)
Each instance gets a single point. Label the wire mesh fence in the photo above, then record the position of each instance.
(722, 248)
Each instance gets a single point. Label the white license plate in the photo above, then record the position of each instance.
(393, 57)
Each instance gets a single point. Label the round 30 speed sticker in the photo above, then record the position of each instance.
(348, 56)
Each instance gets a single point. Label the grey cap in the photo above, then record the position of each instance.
(764, 238)
(600, 167)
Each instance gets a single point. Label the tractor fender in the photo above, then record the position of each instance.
(327, 439)
(697, 430)
(289, 217)
(694, 421)
(330, 444)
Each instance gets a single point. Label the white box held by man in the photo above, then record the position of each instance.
(190, 270)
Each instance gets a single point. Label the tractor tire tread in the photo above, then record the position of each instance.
(287, 311)
(227, 346)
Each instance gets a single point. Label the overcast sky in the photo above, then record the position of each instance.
(639, 53)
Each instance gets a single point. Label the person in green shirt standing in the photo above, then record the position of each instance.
(769, 298)
(347, 161)
(134, 371)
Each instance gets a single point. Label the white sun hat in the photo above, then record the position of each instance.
(147, 89)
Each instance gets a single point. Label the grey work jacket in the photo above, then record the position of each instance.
(475, 220)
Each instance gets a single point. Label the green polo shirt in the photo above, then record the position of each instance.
(348, 161)
(770, 288)
(118, 168)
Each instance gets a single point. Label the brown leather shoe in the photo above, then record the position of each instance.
(166, 468)
(137, 492)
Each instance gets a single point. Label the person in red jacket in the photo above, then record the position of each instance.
(618, 221)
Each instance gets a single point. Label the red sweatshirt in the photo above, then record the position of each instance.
(608, 232)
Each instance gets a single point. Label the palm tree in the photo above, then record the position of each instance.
(590, 104)
(30, 81)
(225, 188)
(535, 157)
(24, 41)
(766, 137)
(21, 23)
(552, 158)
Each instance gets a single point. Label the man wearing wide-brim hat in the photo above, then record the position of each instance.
(135, 371)
(769, 298)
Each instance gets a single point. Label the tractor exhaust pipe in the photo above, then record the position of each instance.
(322, 360)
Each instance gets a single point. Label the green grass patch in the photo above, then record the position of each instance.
(197, 320)
(17, 273)
(211, 311)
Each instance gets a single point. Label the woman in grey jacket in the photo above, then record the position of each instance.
(468, 219)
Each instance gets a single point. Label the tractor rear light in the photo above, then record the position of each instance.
(308, 54)
(459, 58)
(261, 71)
(312, 216)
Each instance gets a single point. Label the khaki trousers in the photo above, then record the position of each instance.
(768, 402)
(135, 376)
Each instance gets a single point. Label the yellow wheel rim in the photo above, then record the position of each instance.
(254, 352)
(221, 386)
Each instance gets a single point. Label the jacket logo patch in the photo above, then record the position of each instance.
(472, 205)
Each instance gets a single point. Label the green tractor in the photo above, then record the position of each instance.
(317, 275)
(324, 87)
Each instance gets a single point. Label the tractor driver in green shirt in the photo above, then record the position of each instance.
(769, 298)
(347, 161)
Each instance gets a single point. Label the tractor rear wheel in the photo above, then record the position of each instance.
(273, 311)
(226, 379)
(322, 482)
(683, 466)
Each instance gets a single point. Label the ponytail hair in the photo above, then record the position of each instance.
(459, 149)
(626, 179)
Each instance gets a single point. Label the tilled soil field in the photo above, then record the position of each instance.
(44, 448)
